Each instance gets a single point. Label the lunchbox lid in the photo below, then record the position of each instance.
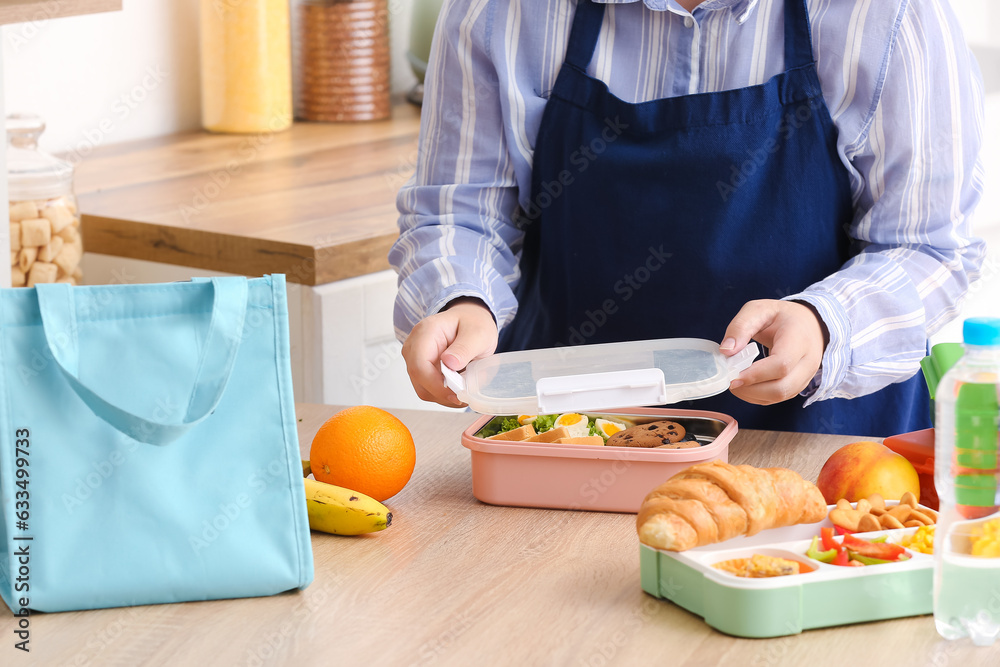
(597, 377)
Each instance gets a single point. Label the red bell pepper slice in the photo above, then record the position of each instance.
(881, 550)
(841, 558)
(826, 536)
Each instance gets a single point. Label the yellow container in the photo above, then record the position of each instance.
(246, 71)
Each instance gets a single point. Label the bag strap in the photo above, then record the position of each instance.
(225, 331)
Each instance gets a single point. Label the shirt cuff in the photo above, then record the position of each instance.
(837, 356)
(403, 324)
(457, 292)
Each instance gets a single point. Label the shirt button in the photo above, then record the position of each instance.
(688, 21)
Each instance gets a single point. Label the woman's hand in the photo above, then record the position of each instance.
(795, 337)
(463, 331)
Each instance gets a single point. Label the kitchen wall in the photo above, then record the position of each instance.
(125, 75)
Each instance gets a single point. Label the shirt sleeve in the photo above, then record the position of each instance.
(457, 235)
(918, 178)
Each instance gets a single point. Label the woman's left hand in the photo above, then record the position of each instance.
(795, 337)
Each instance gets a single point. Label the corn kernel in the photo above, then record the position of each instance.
(985, 539)
(922, 540)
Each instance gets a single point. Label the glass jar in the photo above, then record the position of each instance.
(46, 245)
(246, 66)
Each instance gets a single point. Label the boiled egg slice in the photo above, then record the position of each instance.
(608, 428)
(578, 425)
(526, 419)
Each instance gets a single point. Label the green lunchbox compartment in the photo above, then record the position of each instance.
(942, 357)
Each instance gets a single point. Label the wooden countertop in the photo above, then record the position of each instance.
(456, 582)
(316, 202)
(20, 11)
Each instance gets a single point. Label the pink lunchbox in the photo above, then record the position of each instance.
(600, 381)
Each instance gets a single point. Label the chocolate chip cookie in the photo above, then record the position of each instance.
(653, 434)
(683, 444)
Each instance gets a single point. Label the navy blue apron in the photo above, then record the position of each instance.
(661, 219)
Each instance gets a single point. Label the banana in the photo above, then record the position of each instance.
(340, 511)
(306, 468)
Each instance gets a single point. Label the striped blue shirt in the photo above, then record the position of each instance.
(897, 77)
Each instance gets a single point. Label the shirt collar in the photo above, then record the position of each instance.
(741, 8)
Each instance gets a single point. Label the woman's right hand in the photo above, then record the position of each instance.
(463, 331)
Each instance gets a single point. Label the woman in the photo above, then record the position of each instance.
(729, 169)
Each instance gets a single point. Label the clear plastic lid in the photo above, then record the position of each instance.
(31, 173)
(597, 377)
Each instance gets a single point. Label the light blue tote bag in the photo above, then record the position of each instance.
(148, 450)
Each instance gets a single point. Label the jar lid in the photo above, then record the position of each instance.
(32, 174)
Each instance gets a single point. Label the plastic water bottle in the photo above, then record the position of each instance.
(966, 435)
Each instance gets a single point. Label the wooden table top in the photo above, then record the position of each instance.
(456, 582)
(316, 202)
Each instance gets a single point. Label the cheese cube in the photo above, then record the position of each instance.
(26, 257)
(68, 258)
(59, 216)
(47, 253)
(35, 232)
(23, 210)
(70, 235)
(42, 272)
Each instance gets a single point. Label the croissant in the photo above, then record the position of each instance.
(716, 501)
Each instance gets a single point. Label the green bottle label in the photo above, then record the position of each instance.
(977, 432)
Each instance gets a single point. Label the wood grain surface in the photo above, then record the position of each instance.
(316, 202)
(19, 11)
(456, 582)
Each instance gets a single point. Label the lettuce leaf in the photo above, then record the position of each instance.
(497, 425)
(544, 422)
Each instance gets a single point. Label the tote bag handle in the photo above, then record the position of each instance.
(229, 303)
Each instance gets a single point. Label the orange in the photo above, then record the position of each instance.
(364, 449)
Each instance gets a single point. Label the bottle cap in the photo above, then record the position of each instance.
(981, 331)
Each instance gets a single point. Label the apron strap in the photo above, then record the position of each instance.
(590, 15)
(583, 35)
(798, 38)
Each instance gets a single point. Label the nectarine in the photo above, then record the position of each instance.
(860, 469)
